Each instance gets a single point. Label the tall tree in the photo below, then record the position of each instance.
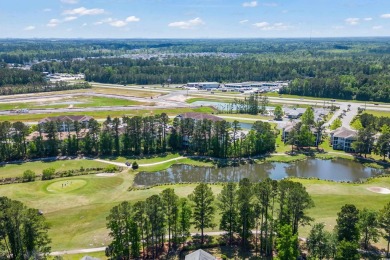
(203, 209)
(347, 223)
(368, 226)
(278, 113)
(308, 117)
(228, 206)
(184, 220)
(170, 200)
(245, 211)
(287, 243)
(23, 231)
(384, 223)
(319, 242)
(155, 212)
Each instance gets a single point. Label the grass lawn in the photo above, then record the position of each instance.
(145, 160)
(378, 113)
(246, 118)
(104, 114)
(166, 165)
(85, 101)
(78, 215)
(16, 170)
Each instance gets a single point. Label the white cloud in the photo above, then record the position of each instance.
(132, 18)
(250, 4)
(338, 27)
(377, 27)
(367, 19)
(187, 24)
(47, 10)
(53, 23)
(83, 11)
(118, 23)
(84, 24)
(244, 21)
(265, 26)
(72, 2)
(70, 18)
(352, 21)
(386, 16)
(29, 28)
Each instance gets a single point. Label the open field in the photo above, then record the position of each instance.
(77, 214)
(74, 102)
(378, 113)
(103, 114)
(16, 170)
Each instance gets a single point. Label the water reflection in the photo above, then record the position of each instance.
(337, 170)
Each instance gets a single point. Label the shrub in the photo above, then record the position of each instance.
(48, 173)
(28, 176)
(111, 169)
(134, 165)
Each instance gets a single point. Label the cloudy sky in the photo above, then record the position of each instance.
(193, 18)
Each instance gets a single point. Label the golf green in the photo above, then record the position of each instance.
(66, 186)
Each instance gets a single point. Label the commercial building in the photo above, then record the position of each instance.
(203, 85)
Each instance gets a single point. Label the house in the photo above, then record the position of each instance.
(342, 138)
(294, 113)
(61, 136)
(199, 255)
(63, 122)
(199, 116)
(291, 125)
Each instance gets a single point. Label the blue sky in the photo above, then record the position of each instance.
(193, 18)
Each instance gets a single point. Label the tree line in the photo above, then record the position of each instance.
(42, 87)
(23, 231)
(133, 136)
(19, 77)
(354, 228)
(252, 214)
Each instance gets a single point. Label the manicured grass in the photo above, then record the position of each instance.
(99, 255)
(16, 170)
(285, 158)
(104, 114)
(152, 159)
(85, 101)
(78, 216)
(166, 165)
(378, 113)
(243, 117)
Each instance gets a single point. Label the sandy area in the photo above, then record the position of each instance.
(379, 190)
(105, 174)
(179, 98)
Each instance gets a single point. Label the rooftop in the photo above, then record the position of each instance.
(200, 255)
(200, 116)
(343, 132)
(65, 118)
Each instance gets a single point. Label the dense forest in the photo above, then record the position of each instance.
(348, 68)
(136, 136)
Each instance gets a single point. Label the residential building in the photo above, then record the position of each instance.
(65, 123)
(199, 255)
(199, 116)
(342, 139)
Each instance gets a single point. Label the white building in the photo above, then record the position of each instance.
(203, 85)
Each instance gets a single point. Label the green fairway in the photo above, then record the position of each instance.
(77, 212)
(16, 170)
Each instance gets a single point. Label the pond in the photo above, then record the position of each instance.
(336, 170)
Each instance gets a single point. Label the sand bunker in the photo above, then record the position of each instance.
(379, 190)
(105, 174)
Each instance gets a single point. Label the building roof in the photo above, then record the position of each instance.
(60, 135)
(200, 116)
(288, 127)
(65, 118)
(343, 132)
(199, 255)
